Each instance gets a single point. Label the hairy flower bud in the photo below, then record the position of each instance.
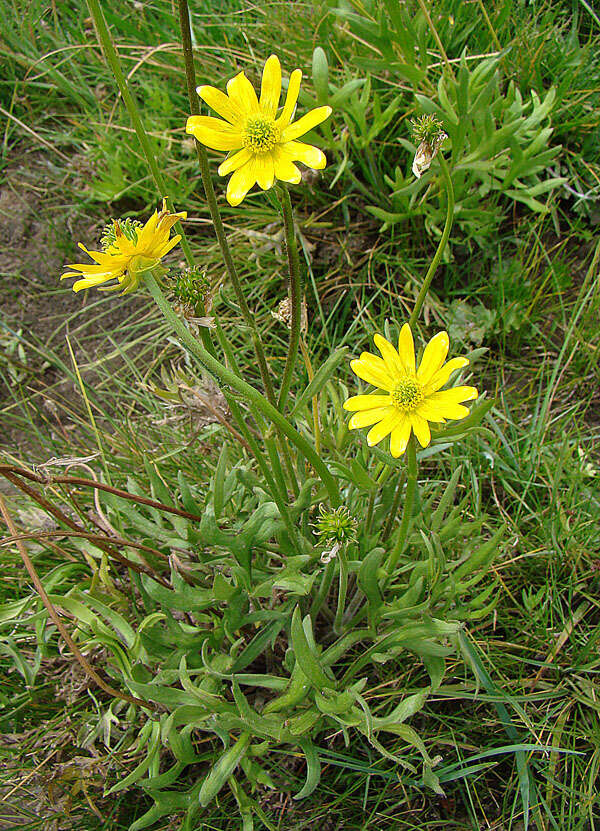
(428, 131)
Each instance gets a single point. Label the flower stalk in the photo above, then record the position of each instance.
(112, 58)
(110, 53)
(441, 245)
(407, 510)
(295, 293)
(342, 591)
(315, 398)
(213, 207)
(216, 368)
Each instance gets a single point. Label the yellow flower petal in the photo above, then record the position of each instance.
(270, 88)
(97, 256)
(366, 402)
(125, 259)
(306, 123)
(433, 357)
(421, 428)
(240, 183)
(214, 133)
(456, 411)
(441, 377)
(145, 237)
(90, 282)
(368, 417)
(221, 104)
(307, 154)
(389, 355)
(264, 170)
(381, 430)
(95, 270)
(399, 438)
(285, 169)
(449, 402)
(290, 100)
(232, 163)
(457, 394)
(168, 245)
(372, 374)
(406, 349)
(242, 94)
(431, 411)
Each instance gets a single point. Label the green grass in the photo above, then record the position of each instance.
(515, 284)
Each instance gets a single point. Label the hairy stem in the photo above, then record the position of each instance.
(315, 399)
(407, 511)
(190, 74)
(387, 529)
(342, 591)
(295, 294)
(108, 47)
(255, 398)
(441, 245)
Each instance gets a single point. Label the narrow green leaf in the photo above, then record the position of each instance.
(322, 375)
(222, 770)
(313, 769)
(309, 663)
(219, 481)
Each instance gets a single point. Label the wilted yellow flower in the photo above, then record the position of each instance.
(414, 397)
(128, 250)
(263, 144)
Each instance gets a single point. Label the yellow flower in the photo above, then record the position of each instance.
(263, 144)
(129, 249)
(414, 397)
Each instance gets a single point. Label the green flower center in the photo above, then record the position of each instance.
(129, 228)
(260, 134)
(407, 394)
(336, 525)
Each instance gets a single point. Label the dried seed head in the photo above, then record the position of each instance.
(284, 314)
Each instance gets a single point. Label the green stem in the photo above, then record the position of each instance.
(255, 398)
(190, 74)
(323, 590)
(407, 511)
(387, 530)
(112, 58)
(315, 399)
(295, 294)
(285, 450)
(342, 591)
(273, 453)
(442, 243)
(264, 467)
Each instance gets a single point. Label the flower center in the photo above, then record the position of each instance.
(407, 394)
(260, 134)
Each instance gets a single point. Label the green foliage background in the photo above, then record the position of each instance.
(523, 122)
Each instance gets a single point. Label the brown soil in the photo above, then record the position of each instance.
(38, 236)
